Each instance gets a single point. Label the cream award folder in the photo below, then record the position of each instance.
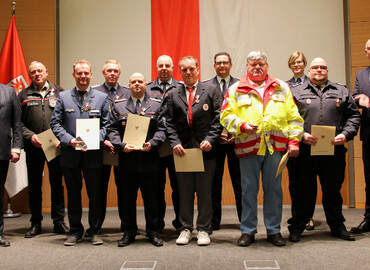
(49, 144)
(191, 162)
(325, 135)
(136, 130)
(89, 131)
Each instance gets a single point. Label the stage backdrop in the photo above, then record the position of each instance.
(136, 32)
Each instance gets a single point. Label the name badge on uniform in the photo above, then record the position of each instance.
(70, 110)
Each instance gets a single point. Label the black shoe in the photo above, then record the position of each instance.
(176, 224)
(310, 225)
(295, 235)
(344, 234)
(215, 226)
(276, 239)
(156, 240)
(246, 240)
(61, 228)
(4, 242)
(363, 227)
(126, 240)
(33, 231)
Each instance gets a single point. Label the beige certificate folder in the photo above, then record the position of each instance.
(49, 144)
(325, 135)
(89, 131)
(282, 164)
(136, 130)
(191, 162)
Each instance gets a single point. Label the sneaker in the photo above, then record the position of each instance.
(72, 240)
(184, 237)
(203, 239)
(96, 240)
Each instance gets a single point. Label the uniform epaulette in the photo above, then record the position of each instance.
(149, 83)
(120, 100)
(207, 80)
(155, 99)
(180, 82)
(95, 86)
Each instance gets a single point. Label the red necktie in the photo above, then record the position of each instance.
(190, 112)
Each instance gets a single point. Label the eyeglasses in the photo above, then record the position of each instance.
(298, 62)
(222, 63)
(319, 67)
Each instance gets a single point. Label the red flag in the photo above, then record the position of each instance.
(13, 69)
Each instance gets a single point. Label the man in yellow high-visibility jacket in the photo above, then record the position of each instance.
(260, 113)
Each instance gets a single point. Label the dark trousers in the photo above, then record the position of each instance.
(167, 162)
(73, 179)
(106, 170)
(148, 184)
(35, 160)
(331, 170)
(4, 165)
(201, 183)
(366, 161)
(221, 152)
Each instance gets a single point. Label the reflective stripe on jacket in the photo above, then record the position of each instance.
(276, 115)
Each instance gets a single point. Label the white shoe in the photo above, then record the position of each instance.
(203, 239)
(184, 237)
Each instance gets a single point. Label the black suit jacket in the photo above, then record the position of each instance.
(137, 161)
(362, 86)
(213, 81)
(206, 112)
(10, 122)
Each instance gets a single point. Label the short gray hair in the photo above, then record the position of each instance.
(256, 55)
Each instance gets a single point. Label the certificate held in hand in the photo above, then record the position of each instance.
(325, 135)
(89, 131)
(136, 130)
(49, 144)
(191, 162)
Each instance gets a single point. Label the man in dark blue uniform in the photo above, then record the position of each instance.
(138, 168)
(159, 89)
(38, 102)
(81, 102)
(116, 92)
(322, 102)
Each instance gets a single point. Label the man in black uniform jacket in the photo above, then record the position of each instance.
(38, 102)
(138, 168)
(116, 92)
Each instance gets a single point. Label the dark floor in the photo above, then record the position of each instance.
(317, 250)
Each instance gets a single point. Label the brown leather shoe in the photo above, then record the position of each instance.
(276, 239)
(246, 240)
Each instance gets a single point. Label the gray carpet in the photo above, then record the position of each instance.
(317, 249)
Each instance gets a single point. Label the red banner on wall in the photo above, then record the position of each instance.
(175, 31)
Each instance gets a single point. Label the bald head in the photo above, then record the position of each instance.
(137, 85)
(318, 71)
(164, 68)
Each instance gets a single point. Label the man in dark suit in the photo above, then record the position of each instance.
(138, 168)
(37, 103)
(10, 144)
(116, 93)
(193, 122)
(159, 89)
(225, 145)
(361, 93)
(81, 102)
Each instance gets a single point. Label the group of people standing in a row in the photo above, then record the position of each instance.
(254, 121)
